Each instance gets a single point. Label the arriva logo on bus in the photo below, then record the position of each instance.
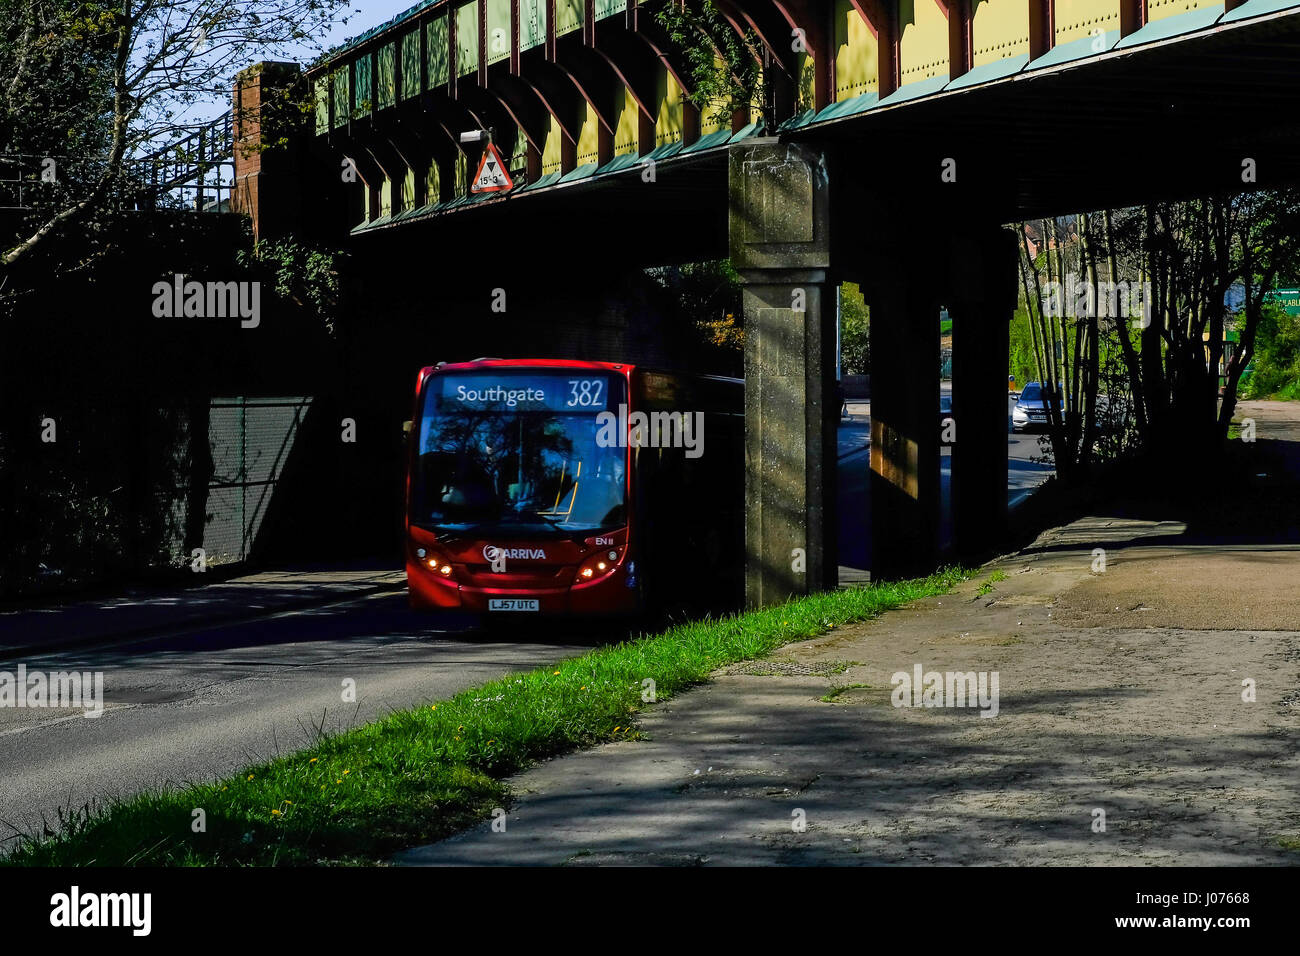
(492, 553)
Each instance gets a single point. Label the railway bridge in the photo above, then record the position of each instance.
(898, 137)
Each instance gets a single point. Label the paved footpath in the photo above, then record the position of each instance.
(1118, 692)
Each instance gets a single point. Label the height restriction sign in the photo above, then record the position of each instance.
(491, 176)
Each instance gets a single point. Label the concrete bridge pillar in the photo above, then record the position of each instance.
(983, 301)
(904, 298)
(779, 231)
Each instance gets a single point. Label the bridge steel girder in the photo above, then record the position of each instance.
(488, 109)
(779, 63)
(426, 118)
(337, 146)
(1042, 16)
(763, 57)
(410, 153)
(438, 110)
(768, 25)
(419, 146)
(342, 198)
(368, 169)
(881, 18)
(652, 35)
(636, 64)
(780, 244)
(341, 144)
(814, 19)
(561, 97)
(959, 14)
(593, 77)
(527, 110)
(1133, 14)
(631, 62)
(390, 162)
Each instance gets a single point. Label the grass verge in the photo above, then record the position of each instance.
(421, 774)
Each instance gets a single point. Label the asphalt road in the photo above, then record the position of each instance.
(1023, 476)
(200, 705)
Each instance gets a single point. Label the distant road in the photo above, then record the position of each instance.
(1023, 476)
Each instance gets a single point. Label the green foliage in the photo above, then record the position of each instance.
(58, 58)
(855, 331)
(56, 63)
(724, 65)
(1022, 363)
(708, 297)
(1275, 369)
(303, 274)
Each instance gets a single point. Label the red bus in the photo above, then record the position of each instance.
(551, 487)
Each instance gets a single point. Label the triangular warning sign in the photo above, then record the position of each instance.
(491, 176)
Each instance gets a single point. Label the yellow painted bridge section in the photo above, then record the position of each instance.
(463, 43)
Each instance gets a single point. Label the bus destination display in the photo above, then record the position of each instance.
(552, 393)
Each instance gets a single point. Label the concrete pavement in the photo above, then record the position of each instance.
(1120, 704)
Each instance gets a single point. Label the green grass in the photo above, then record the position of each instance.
(421, 774)
(997, 575)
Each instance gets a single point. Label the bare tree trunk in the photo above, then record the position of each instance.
(1091, 369)
(1035, 316)
(1131, 364)
(1062, 448)
(1154, 387)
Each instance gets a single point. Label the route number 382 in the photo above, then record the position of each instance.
(585, 393)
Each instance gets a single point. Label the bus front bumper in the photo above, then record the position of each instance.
(610, 595)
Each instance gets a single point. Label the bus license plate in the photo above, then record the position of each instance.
(513, 604)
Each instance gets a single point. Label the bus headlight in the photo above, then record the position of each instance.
(433, 564)
(599, 565)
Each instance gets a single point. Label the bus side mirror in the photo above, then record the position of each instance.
(406, 427)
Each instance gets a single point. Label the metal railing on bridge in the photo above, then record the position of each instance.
(194, 172)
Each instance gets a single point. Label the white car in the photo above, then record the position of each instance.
(1030, 410)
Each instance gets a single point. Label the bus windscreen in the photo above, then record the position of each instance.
(516, 453)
